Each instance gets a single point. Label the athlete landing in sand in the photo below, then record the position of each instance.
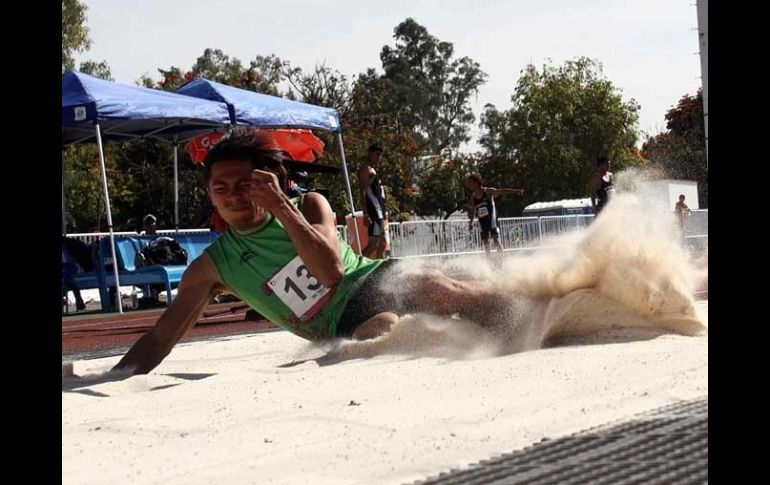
(285, 259)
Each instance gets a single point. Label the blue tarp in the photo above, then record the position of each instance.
(130, 111)
(255, 109)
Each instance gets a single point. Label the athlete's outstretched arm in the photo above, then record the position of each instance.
(493, 191)
(195, 290)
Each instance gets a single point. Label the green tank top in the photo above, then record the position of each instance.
(260, 267)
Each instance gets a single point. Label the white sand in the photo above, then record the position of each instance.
(431, 395)
(251, 421)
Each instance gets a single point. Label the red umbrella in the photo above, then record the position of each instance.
(301, 145)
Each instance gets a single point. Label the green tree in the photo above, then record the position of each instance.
(429, 89)
(441, 185)
(680, 152)
(170, 79)
(84, 201)
(148, 166)
(562, 118)
(263, 75)
(322, 87)
(84, 197)
(74, 33)
(74, 38)
(97, 69)
(367, 120)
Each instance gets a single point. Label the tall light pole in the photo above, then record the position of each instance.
(703, 36)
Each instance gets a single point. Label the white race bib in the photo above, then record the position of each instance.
(299, 290)
(483, 211)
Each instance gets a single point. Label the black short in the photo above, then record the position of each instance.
(599, 208)
(486, 232)
(368, 300)
(377, 228)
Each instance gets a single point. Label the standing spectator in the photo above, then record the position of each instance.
(150, 225)
(601, 186)
(482, 205)
(373, 202)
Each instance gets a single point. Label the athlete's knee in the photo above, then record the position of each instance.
(433, 291)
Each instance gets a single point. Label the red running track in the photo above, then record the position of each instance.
(98, 331)
(88, 332)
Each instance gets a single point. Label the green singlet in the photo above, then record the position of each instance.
(263, 268)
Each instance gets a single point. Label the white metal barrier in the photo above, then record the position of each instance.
(453, 236)
(696, 230)
(89, 237)
(697, 222)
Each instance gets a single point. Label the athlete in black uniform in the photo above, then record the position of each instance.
(373, 203)
(601, 186)
(482, 206)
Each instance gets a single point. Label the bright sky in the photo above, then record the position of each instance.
(649, 48)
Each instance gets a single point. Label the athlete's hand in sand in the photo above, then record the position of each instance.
(68, 373)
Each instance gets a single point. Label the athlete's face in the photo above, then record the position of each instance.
(374, 157)
(229, 191)
(473, 185)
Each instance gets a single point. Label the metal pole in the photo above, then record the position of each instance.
(176, 185)
(109, 217)
(63, 200)
(350, 192)
(703, 34)
(540, 231)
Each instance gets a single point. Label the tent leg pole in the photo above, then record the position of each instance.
(109, 217)
(350, 193)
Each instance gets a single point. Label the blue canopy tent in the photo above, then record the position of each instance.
(123, 111)
(248, 108)
(94, 110)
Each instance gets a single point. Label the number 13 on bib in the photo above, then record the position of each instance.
(299, 290)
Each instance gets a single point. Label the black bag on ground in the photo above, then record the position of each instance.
(162, 250)
(83, 254)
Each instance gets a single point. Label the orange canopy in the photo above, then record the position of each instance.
(302, 145)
